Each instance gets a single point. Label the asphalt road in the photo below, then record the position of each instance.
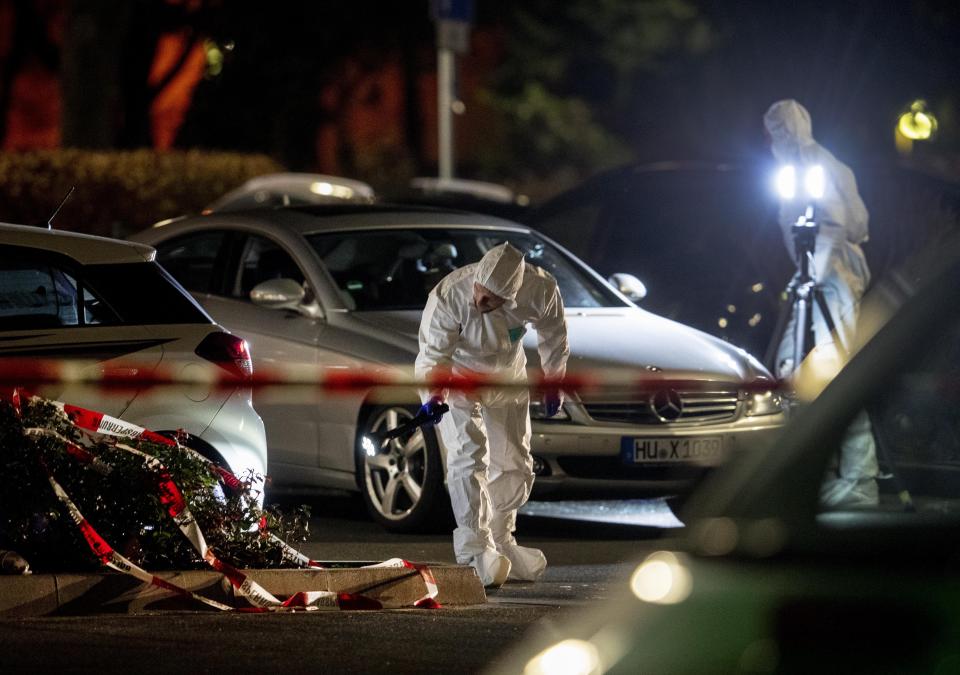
(589, 561)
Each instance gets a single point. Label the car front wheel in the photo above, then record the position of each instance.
(401, 482)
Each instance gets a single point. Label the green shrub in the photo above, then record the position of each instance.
(118, 193)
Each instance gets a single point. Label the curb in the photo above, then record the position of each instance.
(114, 593)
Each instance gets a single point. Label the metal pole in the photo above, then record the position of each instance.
(446, 61)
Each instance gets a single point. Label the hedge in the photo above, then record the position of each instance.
(118, 193)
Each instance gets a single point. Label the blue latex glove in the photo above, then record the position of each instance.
(432, 409)
(552, 400)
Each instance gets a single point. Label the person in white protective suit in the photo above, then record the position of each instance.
(474, 323)
(840, 268)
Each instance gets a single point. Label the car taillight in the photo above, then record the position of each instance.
(227, 351)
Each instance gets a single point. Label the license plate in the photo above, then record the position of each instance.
(701, 450)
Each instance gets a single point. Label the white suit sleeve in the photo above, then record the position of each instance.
(439, 333)
(552, 334)
(858, 217)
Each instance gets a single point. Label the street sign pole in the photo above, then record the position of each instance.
(453, 19)
(446, 63)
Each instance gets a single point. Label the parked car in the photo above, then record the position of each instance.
(492, 199)
(344, 286)
(276, 189)
(703, 237)
(68, 295)
(767, 580)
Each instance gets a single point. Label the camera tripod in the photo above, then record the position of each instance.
(807, 293)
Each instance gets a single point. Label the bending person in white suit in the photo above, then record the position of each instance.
(474, 323)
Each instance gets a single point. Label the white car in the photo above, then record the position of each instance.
(344, 286)
(75, 296)
(276, 189)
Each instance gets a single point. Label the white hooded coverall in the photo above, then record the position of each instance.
(487, 435)
(840, 268)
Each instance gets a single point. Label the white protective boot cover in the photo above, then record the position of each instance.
(526, 564)
(492, 567)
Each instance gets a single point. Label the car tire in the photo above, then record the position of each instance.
(402, 486)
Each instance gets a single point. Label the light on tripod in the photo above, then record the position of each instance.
(786, 182)
(814, 182)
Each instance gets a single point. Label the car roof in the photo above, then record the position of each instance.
(462, 187)
(318, 218)
(86, 249)
(298, 187)
(305, 180)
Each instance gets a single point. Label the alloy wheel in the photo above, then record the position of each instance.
(394, 478)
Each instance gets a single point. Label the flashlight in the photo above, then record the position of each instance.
(373, 442)
(814, 182)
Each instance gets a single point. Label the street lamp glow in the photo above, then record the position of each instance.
(785, 182)
(815, 182)
(917, 124)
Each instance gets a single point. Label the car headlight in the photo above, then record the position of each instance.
(537, 412)
(764, 403)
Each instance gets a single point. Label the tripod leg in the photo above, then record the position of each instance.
(828, 319)
(803, 338)
(779, 333)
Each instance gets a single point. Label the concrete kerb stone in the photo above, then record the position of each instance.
(114, 593)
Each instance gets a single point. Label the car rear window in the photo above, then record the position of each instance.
(142, 293)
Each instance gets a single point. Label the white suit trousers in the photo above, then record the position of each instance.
(489, 468)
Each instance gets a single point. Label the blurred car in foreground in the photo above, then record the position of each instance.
(764, 580)
(75, 296)
(282, 189)
(344, 287)
(703, 238)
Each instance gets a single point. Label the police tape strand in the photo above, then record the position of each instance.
(31, 373)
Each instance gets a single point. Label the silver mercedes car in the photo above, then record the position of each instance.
(344, 285)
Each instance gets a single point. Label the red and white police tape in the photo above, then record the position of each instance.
(116, 375)
(97, 424)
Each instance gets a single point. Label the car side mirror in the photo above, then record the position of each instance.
(287, 294)
(629, 285)
(278, 294)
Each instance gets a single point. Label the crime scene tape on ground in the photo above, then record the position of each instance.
(94, 423)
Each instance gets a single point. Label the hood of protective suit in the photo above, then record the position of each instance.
(790, 129)
(501, 271)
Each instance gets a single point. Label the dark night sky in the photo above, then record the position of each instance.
(855, 65)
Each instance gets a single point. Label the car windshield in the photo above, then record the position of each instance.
(396, 269)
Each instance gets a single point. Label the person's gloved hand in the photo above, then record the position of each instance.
(432, 409)
(552, 400)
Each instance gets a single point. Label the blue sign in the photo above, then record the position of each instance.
(452, 10)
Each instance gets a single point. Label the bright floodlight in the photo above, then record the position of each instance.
(786, 182)
(368, 446)
(814, 182)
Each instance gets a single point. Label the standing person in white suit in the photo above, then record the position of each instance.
(840, 268)
(474, 323)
